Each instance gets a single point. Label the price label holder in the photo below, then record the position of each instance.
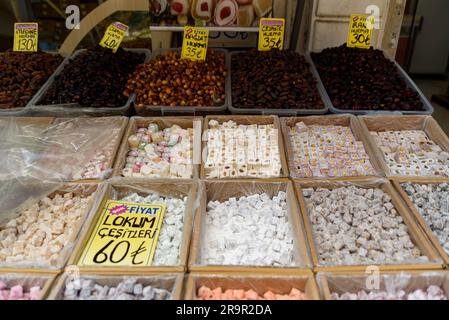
(194, 44)
(360, 31)
(271, 34)
(26, 37)
(113, 36)
(126, 234)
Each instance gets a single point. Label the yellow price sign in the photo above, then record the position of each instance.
(26, 37)
(113, 36)
(194, 44)
(360, 31)
(271, 34)
(126, 234)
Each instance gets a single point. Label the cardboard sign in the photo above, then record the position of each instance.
(126, 235)
(113, 36)
(360, 31)
(26, 37)
(194, 44)
(271, 34)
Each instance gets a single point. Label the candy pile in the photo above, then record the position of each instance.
(432, 202)
(156, 153)
(205, 293)
(327, 151)
(242, 151)
(432, 293)
(128, 289)
(170, 237)
(43, 231)
(412, 153)
(354, 225)
(18, 292)
(252, 230)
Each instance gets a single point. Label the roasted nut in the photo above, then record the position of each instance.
(169, 80)
(22, 74)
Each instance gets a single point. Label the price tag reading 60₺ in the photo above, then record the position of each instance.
(25, 37)
(126, 234)
(113, 36)
(360, 31)
(271, 34)
(194, 44)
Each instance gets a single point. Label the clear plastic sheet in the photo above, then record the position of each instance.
(224, 190)
(389, 282)
(28, 281)
(414, 232)
(260, 283)
(37, 157)
(170, 282)
(118, 188)
(26, 249)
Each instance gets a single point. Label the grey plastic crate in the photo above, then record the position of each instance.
(74, 109)
(180, 110)
(428, 108)
(283, 112)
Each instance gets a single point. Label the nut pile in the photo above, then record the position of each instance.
(432, 202)
(242, 151)
(170, 236)
(273, 80)
(327, 151)
(354, 225)
(251, 230)
(169, 80)
(22, 74)
(412, 153)
(95, 78)
(44, 231)
(129, 289)
(360, 79)
(431, 293)
(205, 293)
(19, 292)
(160, 153)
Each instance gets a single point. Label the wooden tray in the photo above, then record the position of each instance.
(29, 278)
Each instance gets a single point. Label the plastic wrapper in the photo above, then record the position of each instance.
(224, 190)
(163, 123)
(417, 238)
(389, 282)
(171, 282)
(40, 282)
(329, 120)
(239, 164)
(400, 123)
(120, 188)
(34, 238)
(259, 283)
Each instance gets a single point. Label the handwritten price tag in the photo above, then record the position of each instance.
(271, 34)
(113, 36)
(126, 235)
(360, 31)
(194, 44)
(26, 37)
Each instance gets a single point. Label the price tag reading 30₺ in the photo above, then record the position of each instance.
(25, 37)
(360, 31)
(126, 234)
(113, 36)
(271, 34)
(194, 44)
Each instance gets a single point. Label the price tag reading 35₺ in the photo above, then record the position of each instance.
(271, 34)
(360, 31)
(194, 45)
(126, 234)
(25, 37)
(113, 36)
